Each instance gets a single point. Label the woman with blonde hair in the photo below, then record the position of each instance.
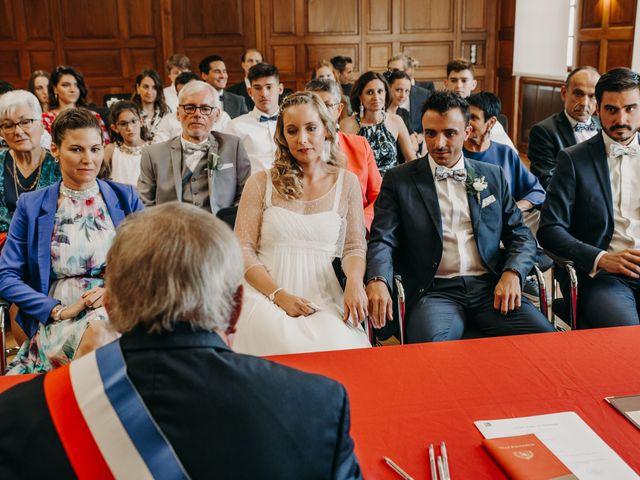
(293, 220)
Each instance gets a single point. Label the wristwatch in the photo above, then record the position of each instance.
(57, 312)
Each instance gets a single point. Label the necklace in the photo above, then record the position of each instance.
(131, 150)
(17, 183)
(79, 194)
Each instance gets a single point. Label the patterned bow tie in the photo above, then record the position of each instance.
(585, 127)
(264, 118)
(190, 149)
(459, 175)
(617, 150)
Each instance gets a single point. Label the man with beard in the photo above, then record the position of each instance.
(484, 108)
(561, 130)
(591, 215)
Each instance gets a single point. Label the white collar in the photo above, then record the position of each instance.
(257, 113)
(574, 122)
(187, 143)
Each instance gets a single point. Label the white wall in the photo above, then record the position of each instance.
(540, 39)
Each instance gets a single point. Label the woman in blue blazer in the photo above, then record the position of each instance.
(54, 258)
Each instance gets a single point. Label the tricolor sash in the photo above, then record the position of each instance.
(103, 423)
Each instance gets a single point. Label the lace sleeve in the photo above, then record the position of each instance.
(249, 218)
(354, 238)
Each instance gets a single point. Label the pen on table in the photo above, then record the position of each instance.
(445, 461)
(441, 469)
(397, 469)
(432, 463)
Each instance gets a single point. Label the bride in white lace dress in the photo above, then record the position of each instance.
(293, 220)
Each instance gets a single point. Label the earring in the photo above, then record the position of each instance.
(361, 110)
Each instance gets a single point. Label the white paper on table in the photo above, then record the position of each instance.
(570, 439)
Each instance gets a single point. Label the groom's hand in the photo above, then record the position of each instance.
(508, 292)
(380, 303)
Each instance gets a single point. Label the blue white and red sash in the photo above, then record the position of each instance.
(103, 423)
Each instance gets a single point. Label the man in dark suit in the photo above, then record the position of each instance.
(418, 94)
(249, 58)
(561, 130)
(207, 169)
(591, 213)
(214, 72)
(442, 219)
(213, 413)
(344, 67)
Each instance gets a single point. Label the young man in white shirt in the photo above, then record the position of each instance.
(257, 128)
(461, 80)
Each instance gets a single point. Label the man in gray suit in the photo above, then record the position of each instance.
(207, 169)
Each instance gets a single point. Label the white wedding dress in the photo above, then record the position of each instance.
(296, 242)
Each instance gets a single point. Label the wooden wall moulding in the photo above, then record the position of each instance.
(379, 16)
(427, 16)
(605, 34)
(111, 41)
(332, 17)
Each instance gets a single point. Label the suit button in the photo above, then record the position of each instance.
(434, 264)
(197, 204)
(193, 179)
(421, 291)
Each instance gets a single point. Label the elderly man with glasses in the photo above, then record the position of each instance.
(204, 168)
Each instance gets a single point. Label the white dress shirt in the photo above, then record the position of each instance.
(498, 135)
(171, 97)
(624, 175)
(582, 135)
(169, 127)
(256, 137)
(460, 254)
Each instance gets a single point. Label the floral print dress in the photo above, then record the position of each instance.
(82, 234)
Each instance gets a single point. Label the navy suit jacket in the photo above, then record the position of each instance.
(546, 139)
(226, 415)
(233, 104)
(25, 264)
(417, 97)
(576, 221)
(406, 234)
(241, 89)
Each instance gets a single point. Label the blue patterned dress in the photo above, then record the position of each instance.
(385, 149)
(82, 234)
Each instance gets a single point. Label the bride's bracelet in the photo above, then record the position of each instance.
(272, 297)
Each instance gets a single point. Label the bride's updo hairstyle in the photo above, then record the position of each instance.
(286, 173)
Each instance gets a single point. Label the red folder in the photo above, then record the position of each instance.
(525, 457)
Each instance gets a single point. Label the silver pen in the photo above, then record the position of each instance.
(397, 469)
(445, 461)
(432, 463)
(441, 469)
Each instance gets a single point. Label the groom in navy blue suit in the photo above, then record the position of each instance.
(439, 222)
(592, 211)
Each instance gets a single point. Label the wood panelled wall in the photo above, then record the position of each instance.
(110, 41)
(605, 35)
(298, 33)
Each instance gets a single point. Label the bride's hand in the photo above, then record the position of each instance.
(294, 306)
(355, 302)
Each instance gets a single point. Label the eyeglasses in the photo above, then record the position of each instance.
(331, 105)
(205, 110)
(24, 124)
(124, 124)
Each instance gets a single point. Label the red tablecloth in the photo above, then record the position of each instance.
(403, 398)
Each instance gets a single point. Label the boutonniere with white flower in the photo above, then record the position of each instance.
(112, 101)
(475, 184)
(212, 163)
